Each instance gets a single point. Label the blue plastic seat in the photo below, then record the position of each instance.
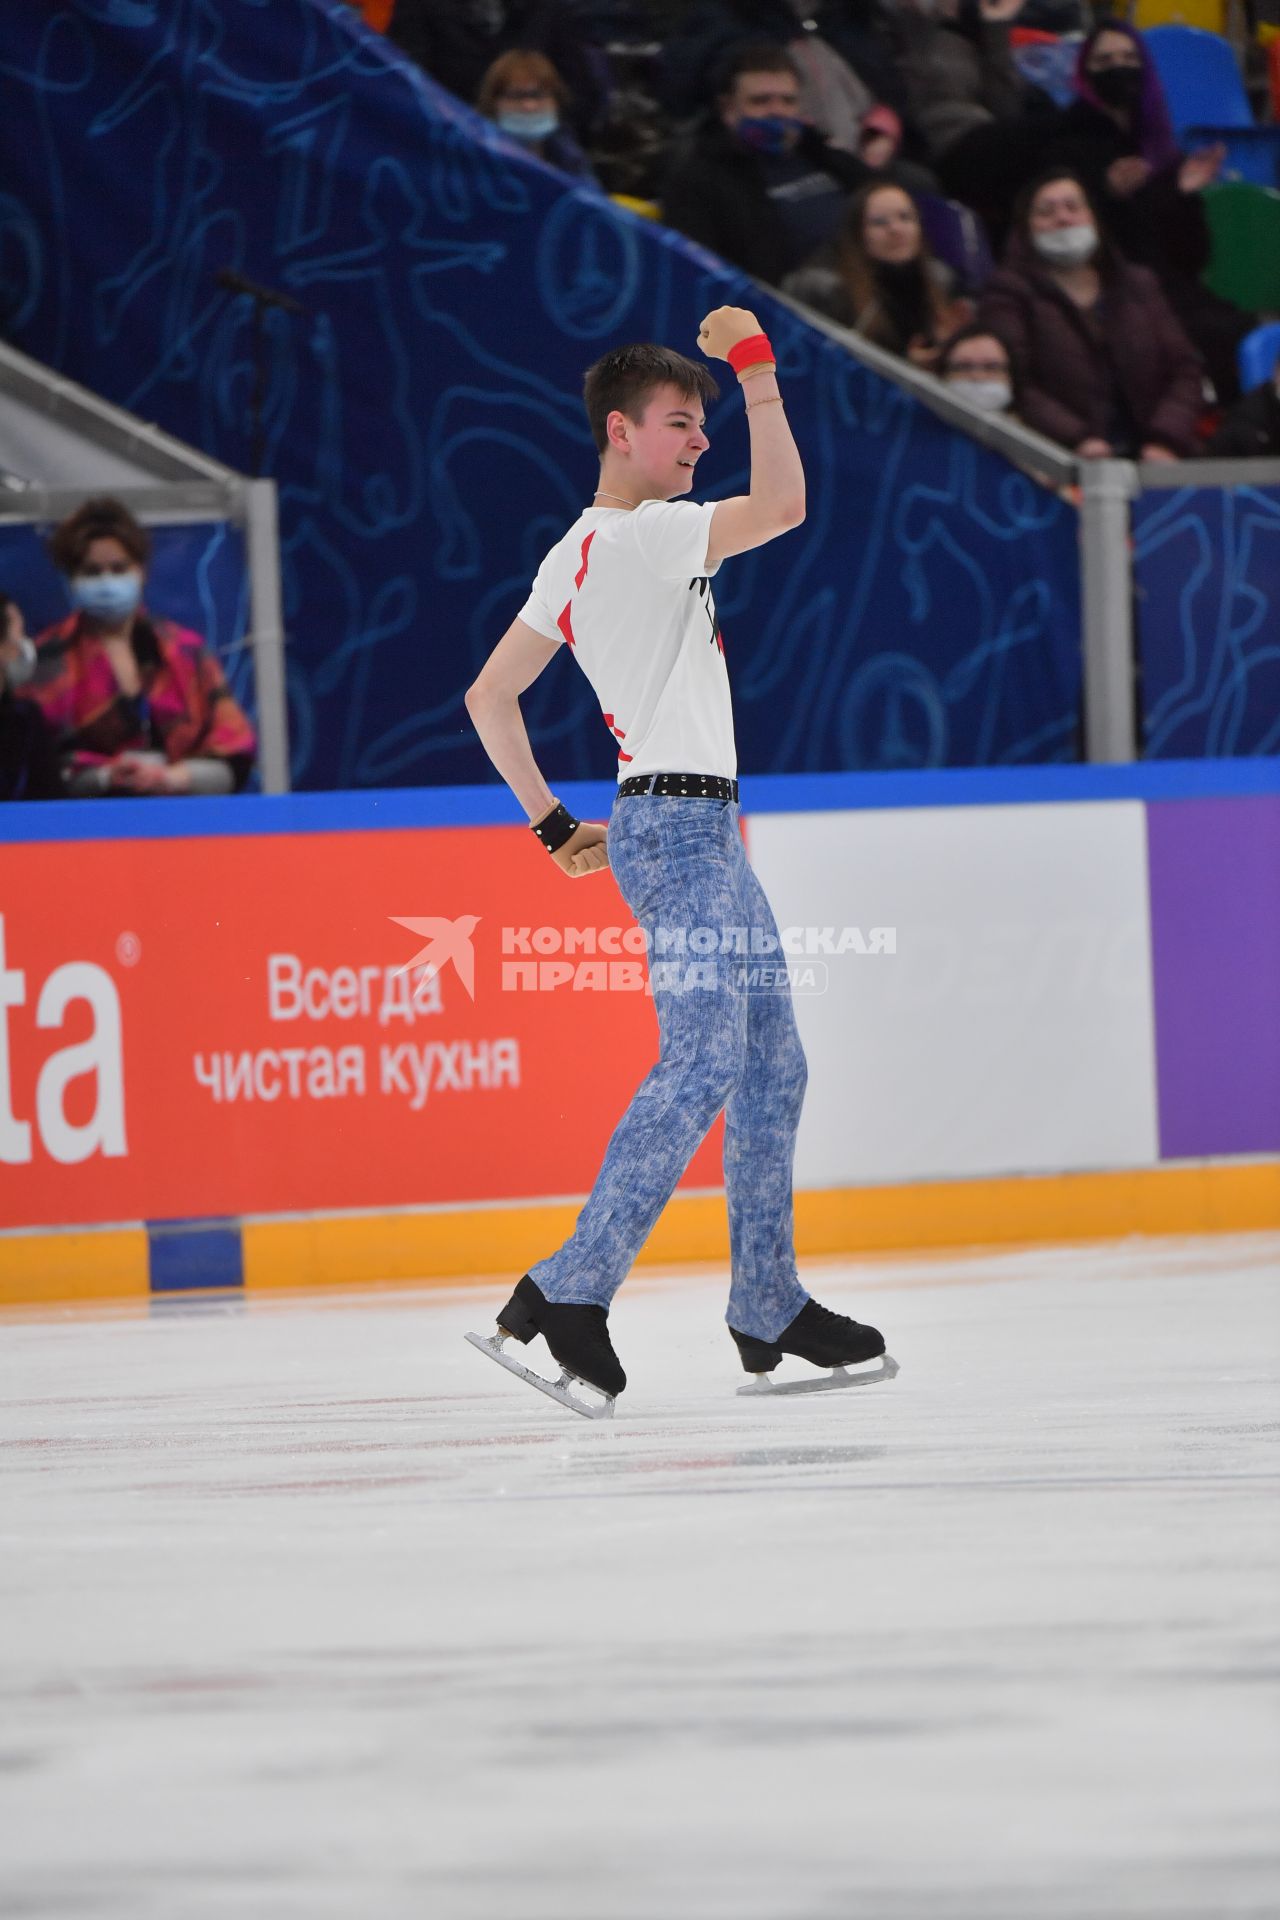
(1201, 79)
(1207, 102)
(1257, 354)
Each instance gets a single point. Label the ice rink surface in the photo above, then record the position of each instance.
(309, 1609)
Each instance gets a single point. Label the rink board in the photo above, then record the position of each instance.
(1036, 1004)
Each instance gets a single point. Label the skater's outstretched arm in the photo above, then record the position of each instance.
(493, 701)
(776, 502)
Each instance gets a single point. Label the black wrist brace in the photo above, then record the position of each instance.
(556, 829)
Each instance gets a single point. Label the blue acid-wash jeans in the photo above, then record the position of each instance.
(726, 1040)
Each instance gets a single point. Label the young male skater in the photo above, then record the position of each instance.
(628, 589)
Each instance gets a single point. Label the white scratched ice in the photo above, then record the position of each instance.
(307, 1609)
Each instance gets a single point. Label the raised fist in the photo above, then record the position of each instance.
(724, 328)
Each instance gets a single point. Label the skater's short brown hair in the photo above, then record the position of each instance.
(625, 380)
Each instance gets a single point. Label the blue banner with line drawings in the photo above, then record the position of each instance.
(422, 414)
(1206, 569)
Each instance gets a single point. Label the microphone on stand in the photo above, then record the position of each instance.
(263, 299)
(265, 296)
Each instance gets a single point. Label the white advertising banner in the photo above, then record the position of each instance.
(973, 987)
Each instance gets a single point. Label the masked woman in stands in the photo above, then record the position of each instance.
(880, 278)
(1100, 362)
(525, 95)
(137, 704)
(1118, 138)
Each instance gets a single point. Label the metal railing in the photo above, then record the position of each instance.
(1107, 489)
(172, 485)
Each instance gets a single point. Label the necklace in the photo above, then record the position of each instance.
(600, 494)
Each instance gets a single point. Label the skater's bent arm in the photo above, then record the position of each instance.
(493, 701)
(776, 501)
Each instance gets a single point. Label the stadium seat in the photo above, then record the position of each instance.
(1245, 223)
(1201, 78)
(1257, 355)
(1206, 16)
(1207, 102)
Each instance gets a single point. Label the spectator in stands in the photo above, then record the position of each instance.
(880, 278)
(137, 705)
(879, 148)
(843, 51)
(1101, 362)
(975, 363)
(28, 762)
(1251, 429)
(757, 184)
(525, 95)
(1118, 138)
(456, 42)
(958, 68)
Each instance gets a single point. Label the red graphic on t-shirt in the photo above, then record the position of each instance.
(565, 622)
(619, 732)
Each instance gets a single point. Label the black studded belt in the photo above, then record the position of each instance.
(694, 786)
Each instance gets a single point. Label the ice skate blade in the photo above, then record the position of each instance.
(554, 1389)
(763, 1387)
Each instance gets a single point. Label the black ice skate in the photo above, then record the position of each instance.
(824, 1339)
(578, 1338)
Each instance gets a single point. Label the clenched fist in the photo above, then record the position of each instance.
(724, 329)
(584, 851)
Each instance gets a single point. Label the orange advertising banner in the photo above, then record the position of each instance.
(268, 1023)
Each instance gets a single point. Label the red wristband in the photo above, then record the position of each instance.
(750, 352)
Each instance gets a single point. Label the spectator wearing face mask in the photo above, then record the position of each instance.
(1101, 363)
(1117, 136)
(880, 278)
(456, 42)
(28, 762)
(975, 364)
(137, 705)
(843, 50)
(757, 185)
(525, 96)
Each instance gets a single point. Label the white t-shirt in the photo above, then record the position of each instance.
(630, 593)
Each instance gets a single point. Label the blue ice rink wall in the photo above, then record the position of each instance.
(423, 418)
(1207, 602)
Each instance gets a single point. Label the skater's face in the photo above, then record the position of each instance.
(662, 448)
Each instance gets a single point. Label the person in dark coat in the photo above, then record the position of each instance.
(1102, 365)
(29, 767)
(1251, 430)
(756, 184)
(858, 33)
(1117, 136)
